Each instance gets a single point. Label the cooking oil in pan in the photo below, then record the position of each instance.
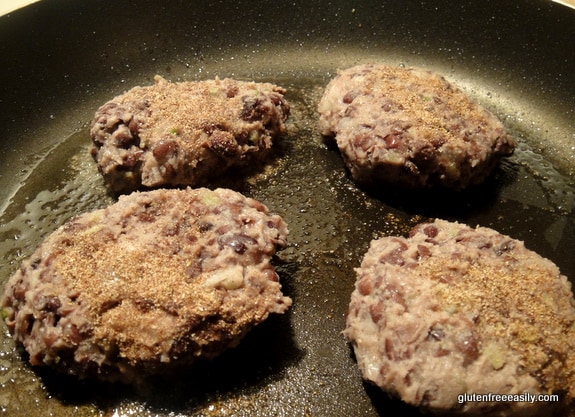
(62, 186)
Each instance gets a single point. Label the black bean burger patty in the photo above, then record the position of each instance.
(148, 284)
(411, 128)
(185, 133)
(453, 310)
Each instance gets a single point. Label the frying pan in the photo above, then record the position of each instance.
(59, 60)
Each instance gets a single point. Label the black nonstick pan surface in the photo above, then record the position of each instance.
(59, 60)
